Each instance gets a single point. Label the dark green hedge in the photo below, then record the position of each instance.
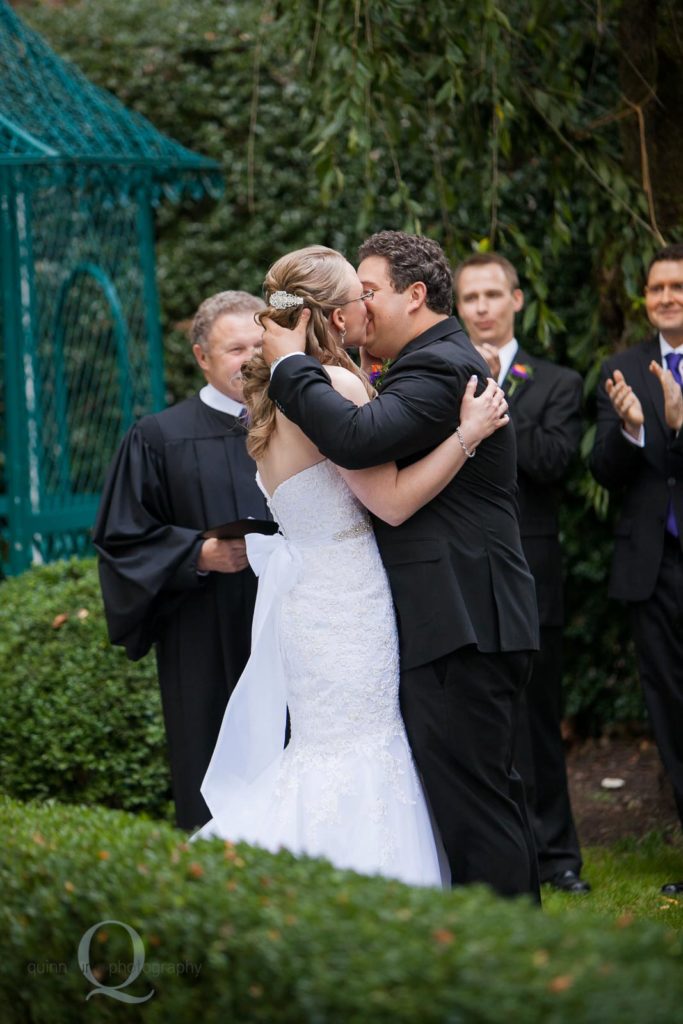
(234, 934)
(79, 722)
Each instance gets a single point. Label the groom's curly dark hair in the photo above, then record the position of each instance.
(414, 258)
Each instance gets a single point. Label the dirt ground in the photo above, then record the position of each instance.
(643, 804)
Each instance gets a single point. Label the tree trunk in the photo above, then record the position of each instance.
(651, 59)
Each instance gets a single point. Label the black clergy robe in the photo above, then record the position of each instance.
(176, 474)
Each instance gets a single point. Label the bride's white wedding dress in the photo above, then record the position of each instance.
(325, 646)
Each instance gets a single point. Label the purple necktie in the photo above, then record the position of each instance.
(673, 361)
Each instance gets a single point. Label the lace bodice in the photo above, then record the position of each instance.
(316, 505)
(342, 679)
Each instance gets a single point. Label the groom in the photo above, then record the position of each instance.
(464, 596)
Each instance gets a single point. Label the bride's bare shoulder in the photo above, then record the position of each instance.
(347, 384)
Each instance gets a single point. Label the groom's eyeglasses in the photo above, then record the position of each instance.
(360, 298)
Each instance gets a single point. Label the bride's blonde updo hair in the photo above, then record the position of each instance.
(319, 276)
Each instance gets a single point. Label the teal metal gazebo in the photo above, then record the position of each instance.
(81, 354)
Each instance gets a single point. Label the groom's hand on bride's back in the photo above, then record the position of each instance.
(280, 341)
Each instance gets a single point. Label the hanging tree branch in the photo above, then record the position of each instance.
(581, 159)
(637, 108)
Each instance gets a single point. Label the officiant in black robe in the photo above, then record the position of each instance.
(177, 474)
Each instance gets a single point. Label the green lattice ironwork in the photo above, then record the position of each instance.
(81, 354)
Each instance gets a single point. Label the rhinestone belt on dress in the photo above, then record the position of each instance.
(354, 531)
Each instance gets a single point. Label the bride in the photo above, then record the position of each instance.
(324, 641)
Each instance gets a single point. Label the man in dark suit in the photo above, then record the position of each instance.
(638, 454)
(545, 409)
(463, 593)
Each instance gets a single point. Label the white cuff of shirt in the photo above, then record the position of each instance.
(638, 441)
(276, 362)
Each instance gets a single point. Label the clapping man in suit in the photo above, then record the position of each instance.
(638, 454)
(463, 593)
(545, 408)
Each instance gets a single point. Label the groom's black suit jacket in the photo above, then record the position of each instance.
(647, 478)
(456, 568)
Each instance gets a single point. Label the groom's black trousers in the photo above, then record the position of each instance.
(460, 715)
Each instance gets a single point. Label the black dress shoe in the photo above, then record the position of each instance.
(672, 888)
(569, 881)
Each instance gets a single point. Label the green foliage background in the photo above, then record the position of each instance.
(495, 124)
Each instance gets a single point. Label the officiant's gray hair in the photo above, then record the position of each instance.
(221, 304)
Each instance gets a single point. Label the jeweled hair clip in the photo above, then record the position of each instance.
(284, 300)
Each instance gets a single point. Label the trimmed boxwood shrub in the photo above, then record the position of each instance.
(79, 721)
(232, 933)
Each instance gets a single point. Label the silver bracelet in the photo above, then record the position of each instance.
(468, 453)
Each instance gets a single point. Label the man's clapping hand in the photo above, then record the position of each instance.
(625, 403)
(489, 354)
(223, 556)
(673, 395)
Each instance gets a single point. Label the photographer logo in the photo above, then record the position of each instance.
(135, 968)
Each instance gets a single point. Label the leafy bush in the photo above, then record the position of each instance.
(232, 933)
(79, 721)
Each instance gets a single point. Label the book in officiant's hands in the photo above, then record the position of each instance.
(240, 528)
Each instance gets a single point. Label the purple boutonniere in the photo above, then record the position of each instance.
(519, 372)
(378, 372)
